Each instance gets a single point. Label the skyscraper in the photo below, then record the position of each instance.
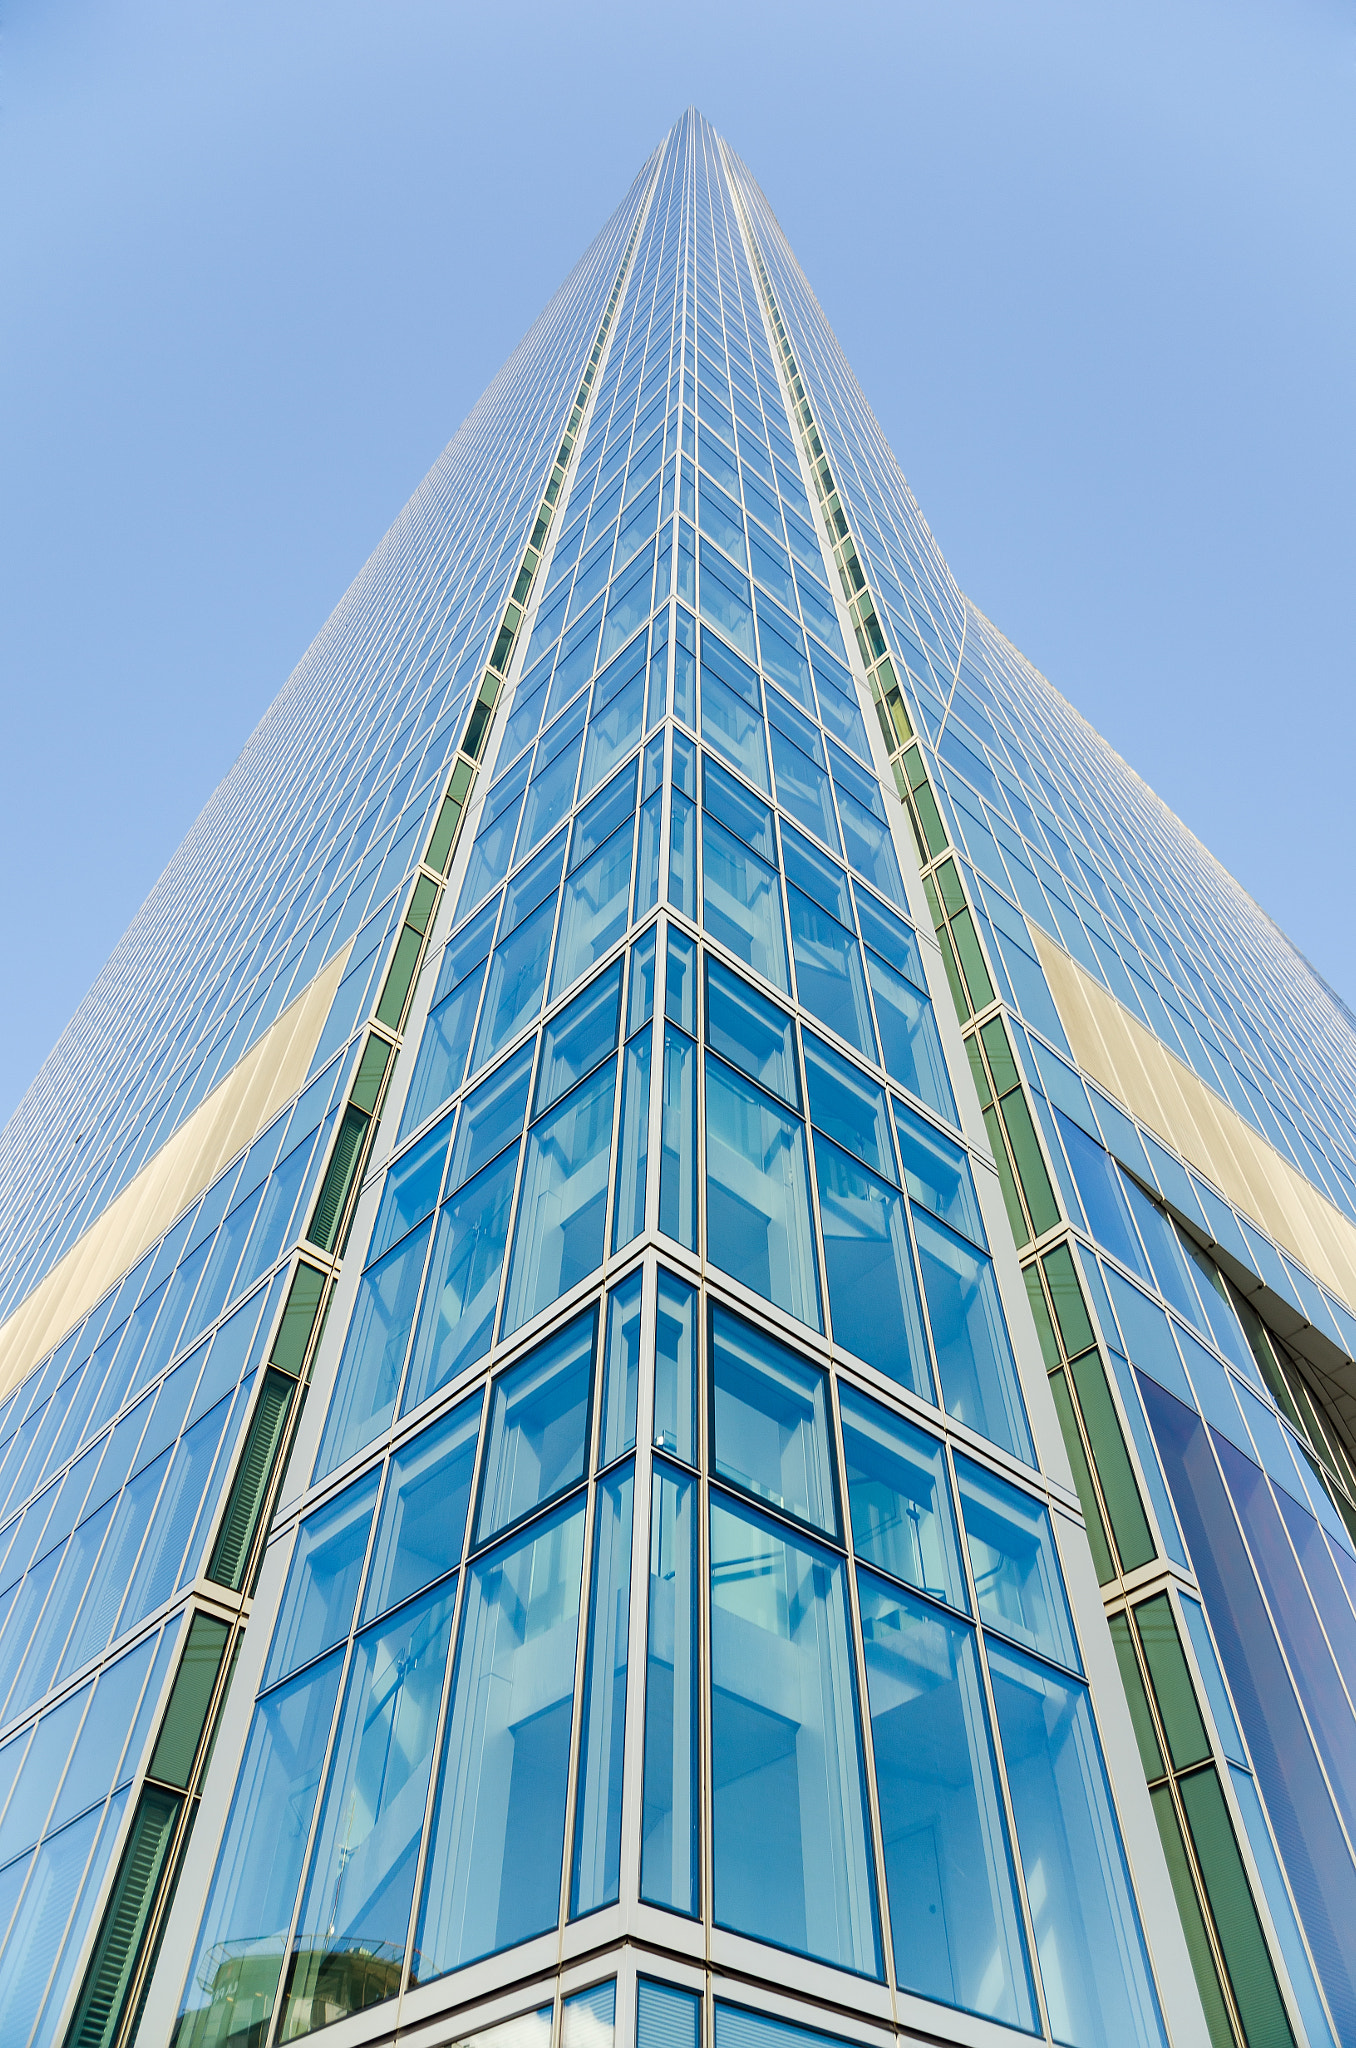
(679, 1324)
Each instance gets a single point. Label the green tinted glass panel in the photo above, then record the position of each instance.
(404, 960)
(231, 1556)
(1193, 1923)
(1012, 1201)
(181, 1729)
(1120, 1490)
(298, 1319)
(1137, 1699)
(1173, 1689)
(1001, 1062)
(1026, 1150)
(1070, 1310)
(972, 959)
(371, 1073)
(1236, 1923)
(339, 1177)
(1040, 1314)
(108, 1979)
(1102, 1559)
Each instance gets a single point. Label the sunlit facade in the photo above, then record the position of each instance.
(679, 1333)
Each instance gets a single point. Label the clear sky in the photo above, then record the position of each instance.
(1093, 265)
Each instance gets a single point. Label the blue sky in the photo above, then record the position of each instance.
(1093, 266)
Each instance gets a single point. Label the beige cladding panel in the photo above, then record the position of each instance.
(258, 1085)
(1127, 1060)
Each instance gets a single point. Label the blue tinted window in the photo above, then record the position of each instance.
(751, 1033)
(770, 1426)
(849, 1108)
(1017, 1574)
(322, 1581)
(974, 1356)
(757, 1194)
(538, 1440)
(899, 1499)
(411, 1189)
(457, 1317)
(937, 1174)
(583, 1033)
(423, 1511)
(621, 1369)
(596, 1873)
(558, 1239)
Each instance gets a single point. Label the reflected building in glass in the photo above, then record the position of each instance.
(678, 1325)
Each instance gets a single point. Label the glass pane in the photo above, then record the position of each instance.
(937, 1174)
(792, 1855)
(515, 983)
(670, 1852)
(873, 1290)
(757, 1194)
(239, 1954)
(491, 1117)
(598, 1815)
(35, 1936)
(678, 1140)
(410, 1190)
(675, 1368)
(628, 1213)
(322, 1580)
(596, 905)
(899, 1499)
(621, 1369)
(1088, 1940)
(741, 903)
(667, 2017)
(499, 1825)
(750, 1032)
(910, 1040)
(577, 1037)
(539, 1427)
(770, 1422)
(849, 1108)
(374, 1351)
(558, 1239)
(457, 1318)
(1018, 1580)
(423, 1514)
(350, 1937)
(588, 2019)
(830, 979)
(948, 1867)
(974, 1357)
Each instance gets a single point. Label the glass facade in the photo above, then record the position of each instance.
(629, 1430)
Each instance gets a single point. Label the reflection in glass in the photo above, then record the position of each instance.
(899, 1500)
(423, 1514)
(770, 1422)
(621, 1369)
(239, 1956)
(675, 1368)
(598, 1814)
(974, 1357)
(792, 1855)
(670, 1822)
(873, 1291)
(349, 1943)
(1018, 1580)
(499, 1825)
(374, 1353)
(1093, 1964)
(948, 1868)
(538, 1440)
(757, 1194)
(322, 1581)
(558, 1239)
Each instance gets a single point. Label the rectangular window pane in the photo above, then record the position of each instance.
(628, 1211)
(741, 903)
(596, 906)
(1088, 1939)
(670, 1856)
(457, 1317)
(873, 1290)
(1018, 1580)
(792, 1851)
(948, 1867)
(423, 1513)
(239, 1954)
(558, 1238)
(909, 1038)
(539, 1427)
(374, 1352)
(974, 1357)
(317, 1605)
(350, 1938)
(770, 1429)
(499, 1825)
(678, 1140)
(598, 1815)
(899, 1499)
(757, 1194)
(830, 978)
(675, 1368)
(621, 1369)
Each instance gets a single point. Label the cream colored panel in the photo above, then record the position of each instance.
(1126, 1058)
(232, 1114)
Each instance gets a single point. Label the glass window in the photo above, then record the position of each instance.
(741, 903)
(667, 2017)
(558, 1239)
(457, 1318)
(830, 978)
(494, 1863)
(40, 1922)
(596, 907)
(678, 1140)
(317, 1605)
(937, 1174)
(633, 1148)
(596, 1875)
(423, 1512)
(578, 1037)
(849, 1108)
(1018, 1580)
(757, 1194)
(873, 1290)
(238, 1960)
(588, 2019)
(410, 1190)
(374, 1351)
(750, 1032)
(491, 1117)
(539, 1427)
(515, 984)
(1092, 1959)
(349, 1943)
(621, 1369)
(899, 1499)
(948, 1866)
(792, 1854)
(670, 1856)
(769, 1419)
(675, 1368)
(974, 1357)
(802, 788)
